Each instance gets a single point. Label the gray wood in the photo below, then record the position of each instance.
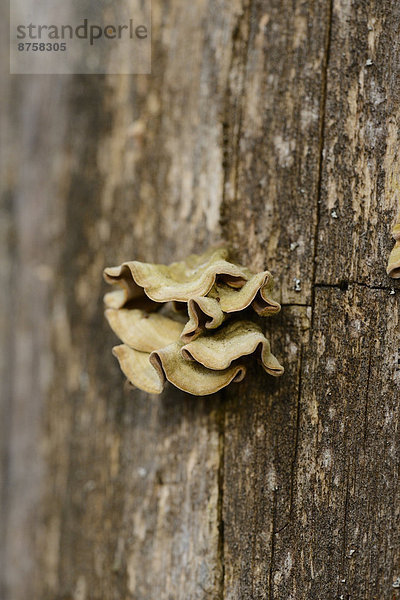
(272, 125)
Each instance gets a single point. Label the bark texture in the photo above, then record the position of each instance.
(270, 124)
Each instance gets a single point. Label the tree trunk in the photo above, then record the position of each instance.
(272, 125)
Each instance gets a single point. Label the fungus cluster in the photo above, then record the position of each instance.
(189, 323)
(393, 268)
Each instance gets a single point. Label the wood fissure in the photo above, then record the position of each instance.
(324, 92)
(232, 117)
(367, 398)
(342, 574)
(297, 433)
(220, 514)
(343, 286)
(272, 556)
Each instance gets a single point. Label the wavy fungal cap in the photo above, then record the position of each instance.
(393, 268)
(212, 346)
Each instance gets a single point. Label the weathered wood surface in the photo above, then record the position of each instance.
(272, 125)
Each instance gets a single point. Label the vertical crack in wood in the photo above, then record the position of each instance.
(220, 500)
(271, 564)
(342, 575)
(322, 120)
(296, 438)
(367, 397)
(227, 125)
(242, 94)
(296, 443)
